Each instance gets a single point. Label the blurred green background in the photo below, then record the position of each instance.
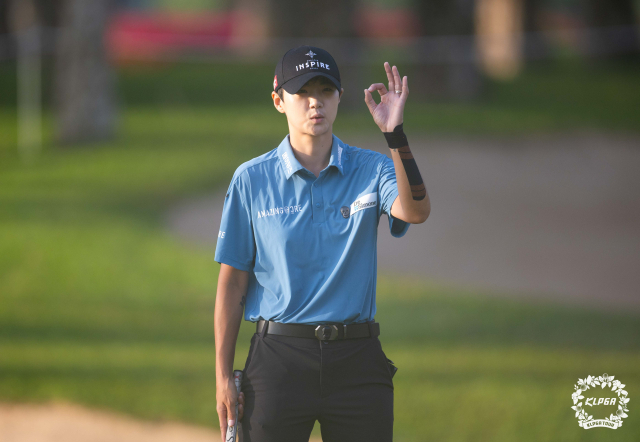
(101, 305)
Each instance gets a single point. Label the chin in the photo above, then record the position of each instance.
(319, 129)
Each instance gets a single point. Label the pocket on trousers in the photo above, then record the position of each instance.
(391, 368)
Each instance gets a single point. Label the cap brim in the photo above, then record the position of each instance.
(293, 86)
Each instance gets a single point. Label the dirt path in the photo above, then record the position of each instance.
(549, 216)
(64, 422)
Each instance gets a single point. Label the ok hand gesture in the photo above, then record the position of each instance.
(389, 112)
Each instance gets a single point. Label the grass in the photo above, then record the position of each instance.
(481, 368)
(470, 367)
(101, 306)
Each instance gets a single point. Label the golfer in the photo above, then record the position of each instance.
(297, 254)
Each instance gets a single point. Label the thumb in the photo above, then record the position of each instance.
(368, 99)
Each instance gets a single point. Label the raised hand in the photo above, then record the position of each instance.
(389, 112)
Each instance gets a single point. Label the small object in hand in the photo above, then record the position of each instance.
(232, 431)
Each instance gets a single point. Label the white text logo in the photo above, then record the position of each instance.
(586, 420)
(364, 202)
(312, 64)
(287, 162)
(279, 211)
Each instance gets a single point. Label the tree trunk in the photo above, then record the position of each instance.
(84, 82)
(27, 30)
(536, 47)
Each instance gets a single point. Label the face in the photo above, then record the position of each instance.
(318, 96)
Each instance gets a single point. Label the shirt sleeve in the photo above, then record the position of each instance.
(388, 190)
(236, 242)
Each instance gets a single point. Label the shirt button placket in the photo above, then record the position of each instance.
(318, 209)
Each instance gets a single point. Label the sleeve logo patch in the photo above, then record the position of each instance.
(364, 202)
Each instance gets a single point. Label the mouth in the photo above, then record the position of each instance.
(317, 118)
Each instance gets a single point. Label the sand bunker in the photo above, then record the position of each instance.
(66, 422)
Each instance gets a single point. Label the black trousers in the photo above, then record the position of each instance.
(290, 382)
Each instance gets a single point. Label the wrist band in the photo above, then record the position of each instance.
(397, 138)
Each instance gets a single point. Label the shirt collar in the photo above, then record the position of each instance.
(337, 154)
(291, 165)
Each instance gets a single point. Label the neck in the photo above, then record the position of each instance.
(313, 152)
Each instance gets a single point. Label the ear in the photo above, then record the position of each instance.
(341, 91)
(277, 102)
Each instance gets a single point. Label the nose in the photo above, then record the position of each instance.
(314, 101)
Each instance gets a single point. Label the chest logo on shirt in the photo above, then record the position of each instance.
(345, 211)
(280, 211)
(364, 202)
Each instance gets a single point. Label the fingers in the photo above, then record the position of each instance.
(231, 415)
(368, 99)
(222, 415)
(397, 83)
(380, 87)
(226, 406)
(227, 412)
(390, 76)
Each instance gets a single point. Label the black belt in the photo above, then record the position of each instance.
(328, 332)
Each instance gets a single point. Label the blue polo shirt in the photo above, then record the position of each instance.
(309, 244)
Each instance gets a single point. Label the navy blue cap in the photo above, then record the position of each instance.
(299, 65)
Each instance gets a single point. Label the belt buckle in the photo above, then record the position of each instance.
(327, 332)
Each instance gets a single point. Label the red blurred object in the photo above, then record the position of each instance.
(157, 36)
(136, 36)
(372, 22)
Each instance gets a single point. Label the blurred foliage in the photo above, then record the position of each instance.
(546, 97)
(549, 96)
(100, 305)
